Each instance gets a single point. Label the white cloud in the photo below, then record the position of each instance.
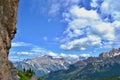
(78, 23)
(78, 12)
(103, 30)
(116, 24)
(85, 55)
(53, 54)
(82, 44)
(24, 53)
(63, 55)
(56, 5)
(68, 55)
(37, 49)
(19, 44)
(88, 28)
(54, 9)
(111, 7)
(78, 19)
(94, 3)
(14, 58)
(73, 56)
(114, 5)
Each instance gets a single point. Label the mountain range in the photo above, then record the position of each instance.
(106, 65)
(47, 63)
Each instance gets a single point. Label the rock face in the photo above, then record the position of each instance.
(8, 14)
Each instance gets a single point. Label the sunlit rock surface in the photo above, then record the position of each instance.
(8, 19)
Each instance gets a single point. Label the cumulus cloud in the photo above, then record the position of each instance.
(81, 19)
(82, 44)
(78, 12)
(104, 30)
(78, 20)
(89, 28)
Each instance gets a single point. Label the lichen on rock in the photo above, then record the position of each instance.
(8, 19)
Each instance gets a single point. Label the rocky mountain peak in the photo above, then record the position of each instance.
(47, 56)
(112, 53)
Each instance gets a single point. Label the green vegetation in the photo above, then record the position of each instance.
(39, 79)
(26, 74)
(22, 75)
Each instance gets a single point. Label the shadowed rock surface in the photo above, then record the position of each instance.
(8, 19)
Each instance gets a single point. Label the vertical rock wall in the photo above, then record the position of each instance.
(8, 18)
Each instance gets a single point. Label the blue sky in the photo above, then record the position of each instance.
(65, 27)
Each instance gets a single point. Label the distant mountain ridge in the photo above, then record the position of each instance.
(47, 63)
(105, 66)
(112, 53)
